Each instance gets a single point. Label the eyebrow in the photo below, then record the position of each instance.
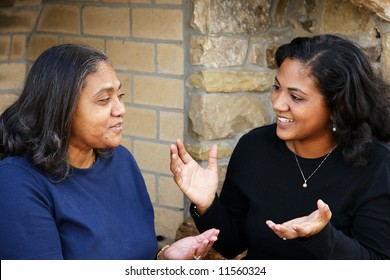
(107, 89)
(292, 88)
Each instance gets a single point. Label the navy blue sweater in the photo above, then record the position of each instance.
(103, 212)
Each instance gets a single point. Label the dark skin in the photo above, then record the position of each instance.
(303, 122)
(98, 123)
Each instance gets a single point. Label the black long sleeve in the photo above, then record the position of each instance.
(263, 182)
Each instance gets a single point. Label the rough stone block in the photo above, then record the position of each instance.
(345, 18)
(213, 117)
(231, 81)
(201, 152)
(218, 51)
(233, 16)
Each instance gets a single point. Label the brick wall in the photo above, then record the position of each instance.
(144, 39)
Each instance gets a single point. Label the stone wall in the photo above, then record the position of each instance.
(232, 44)
(196, 69)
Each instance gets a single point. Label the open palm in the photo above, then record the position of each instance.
(197, 183)
(305, 226)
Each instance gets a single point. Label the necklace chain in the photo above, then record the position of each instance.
(315, 170)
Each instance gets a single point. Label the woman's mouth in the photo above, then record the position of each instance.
(285, 120)
(117, 128)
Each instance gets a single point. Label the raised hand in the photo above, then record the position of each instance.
(197, 183)
(305, 226)
(192, 247)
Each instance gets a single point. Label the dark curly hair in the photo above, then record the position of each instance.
(38, 124)
(358, 98)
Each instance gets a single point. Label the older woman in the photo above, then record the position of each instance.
(68, 189)
(316, 183)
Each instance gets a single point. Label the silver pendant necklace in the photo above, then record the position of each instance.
(315, 170)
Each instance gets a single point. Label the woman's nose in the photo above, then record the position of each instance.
(118, 108)
(279, 101)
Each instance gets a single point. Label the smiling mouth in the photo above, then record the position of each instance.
(285, 120)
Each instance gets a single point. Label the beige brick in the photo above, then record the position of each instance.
(5, 42)
(158, 24)
(12, 75)
(150, 181)
(106, 21)
(172, 2)
(167, 221)
(84, 1)
(18, 48)
(156, 91)
(17, 21)
(125, 80)
(131, 56)
(140, 122)
(128, 1)
(92, 42)
(171, 126)
(27, 3)
(39, 43)
(6, 100)
(169, 193)
(60, 19)
(127, 142)
(152, 156)
(170, 59)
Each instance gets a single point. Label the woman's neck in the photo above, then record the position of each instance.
(81, 158)
(312, 149)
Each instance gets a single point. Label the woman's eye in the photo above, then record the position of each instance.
(120, 96)
(275, 87)
(104, 100)
(296, 98)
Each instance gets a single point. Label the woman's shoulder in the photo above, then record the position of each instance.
(123, 153)
(19, 171)
(262, 133)
(18, 164)
(383, 146)
(259, 140)
(379, 151)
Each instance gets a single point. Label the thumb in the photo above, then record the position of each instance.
(324, 210)
(212, 164)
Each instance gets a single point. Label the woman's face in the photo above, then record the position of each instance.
(97, 122)
(302, 114)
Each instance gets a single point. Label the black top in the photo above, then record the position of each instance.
(263, 182)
